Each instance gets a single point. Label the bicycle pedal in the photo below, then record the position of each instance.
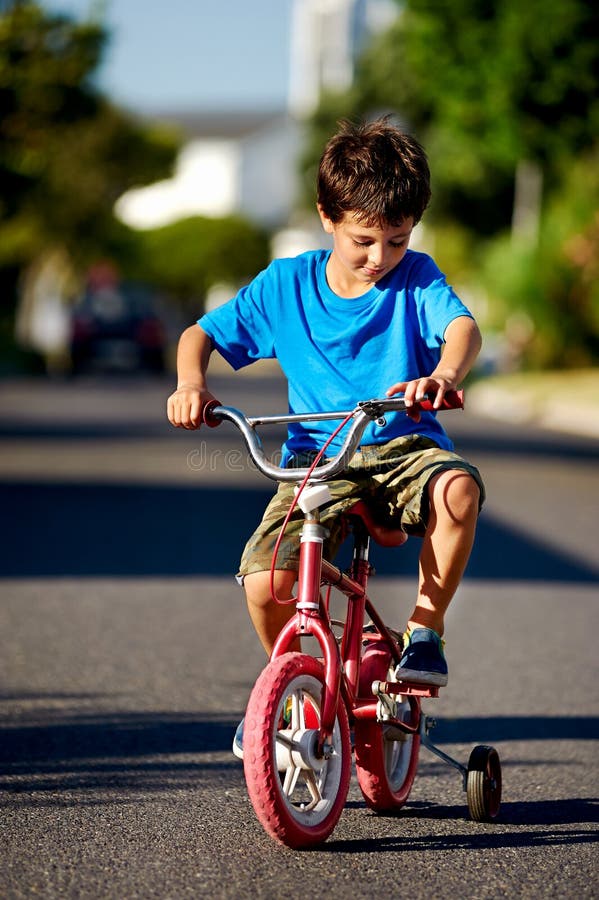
(411, 689)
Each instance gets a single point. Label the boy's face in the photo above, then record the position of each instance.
(362, 256)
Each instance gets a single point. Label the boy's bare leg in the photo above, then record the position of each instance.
(454, 500)
(268, 617)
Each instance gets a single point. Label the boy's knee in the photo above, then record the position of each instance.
(456, 493)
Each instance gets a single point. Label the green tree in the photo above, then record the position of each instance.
(66, 154)
(552, 287)
(485, 84)
(491, 84)
(189, 256)
(505, 97)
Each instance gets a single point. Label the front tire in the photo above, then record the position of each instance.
(385, 767)
(297, 796)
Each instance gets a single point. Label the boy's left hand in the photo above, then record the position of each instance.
(416, 390)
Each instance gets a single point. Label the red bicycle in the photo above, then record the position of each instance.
(297, 744)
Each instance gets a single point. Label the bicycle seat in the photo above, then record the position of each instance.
(386, 537)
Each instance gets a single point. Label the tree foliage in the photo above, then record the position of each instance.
(66, 154)
(191, 255)
(552, 286)
(484, 84)
(488, 85)
(503, 73)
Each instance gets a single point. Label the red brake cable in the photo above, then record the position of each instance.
(291, 509)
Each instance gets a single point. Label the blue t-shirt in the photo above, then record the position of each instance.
(334, 351)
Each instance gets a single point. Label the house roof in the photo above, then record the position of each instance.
(216, 124)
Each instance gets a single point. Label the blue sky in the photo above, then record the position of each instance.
(182, 55)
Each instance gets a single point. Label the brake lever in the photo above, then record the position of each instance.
(375, 409)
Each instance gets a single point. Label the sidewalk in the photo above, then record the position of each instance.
(561, 401)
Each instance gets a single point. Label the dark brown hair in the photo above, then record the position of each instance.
(375, 171)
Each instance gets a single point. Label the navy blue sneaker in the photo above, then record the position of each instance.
(423, 661)
(238, 741)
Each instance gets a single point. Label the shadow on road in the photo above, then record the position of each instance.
(70, 750)
(45, 748)
(491, 838)
(517, 728)
(69, 529)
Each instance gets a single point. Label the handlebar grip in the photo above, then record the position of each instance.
(208, 418)
(451, 400)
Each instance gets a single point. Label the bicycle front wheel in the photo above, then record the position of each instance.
(386, 759)
(297, 796)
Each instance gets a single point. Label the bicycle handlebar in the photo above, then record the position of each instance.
(366, 411)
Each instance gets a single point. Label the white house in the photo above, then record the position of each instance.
(245, 162)
(235, 162)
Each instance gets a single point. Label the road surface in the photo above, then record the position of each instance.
(126, 660)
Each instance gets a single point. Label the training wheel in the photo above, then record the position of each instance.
(483, 787)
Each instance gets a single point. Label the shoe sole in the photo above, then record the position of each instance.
(237, 751)
(436, 679)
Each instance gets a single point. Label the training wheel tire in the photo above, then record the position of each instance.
(483, 785)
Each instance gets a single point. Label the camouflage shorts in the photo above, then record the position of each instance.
(391, 478)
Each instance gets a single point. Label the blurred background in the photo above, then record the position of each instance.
(154, 159)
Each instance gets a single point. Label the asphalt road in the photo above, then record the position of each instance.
(126, 660)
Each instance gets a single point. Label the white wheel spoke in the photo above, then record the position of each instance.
(298, 719)
(313, 786)
(290, 781)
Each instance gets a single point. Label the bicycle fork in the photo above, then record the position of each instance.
(308, 621)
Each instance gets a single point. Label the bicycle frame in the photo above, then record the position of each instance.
(342, 663)
(298, 772)
(342, 667)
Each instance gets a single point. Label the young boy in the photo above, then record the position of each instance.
(367, 319)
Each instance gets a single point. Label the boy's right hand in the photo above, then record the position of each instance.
(184, 407)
